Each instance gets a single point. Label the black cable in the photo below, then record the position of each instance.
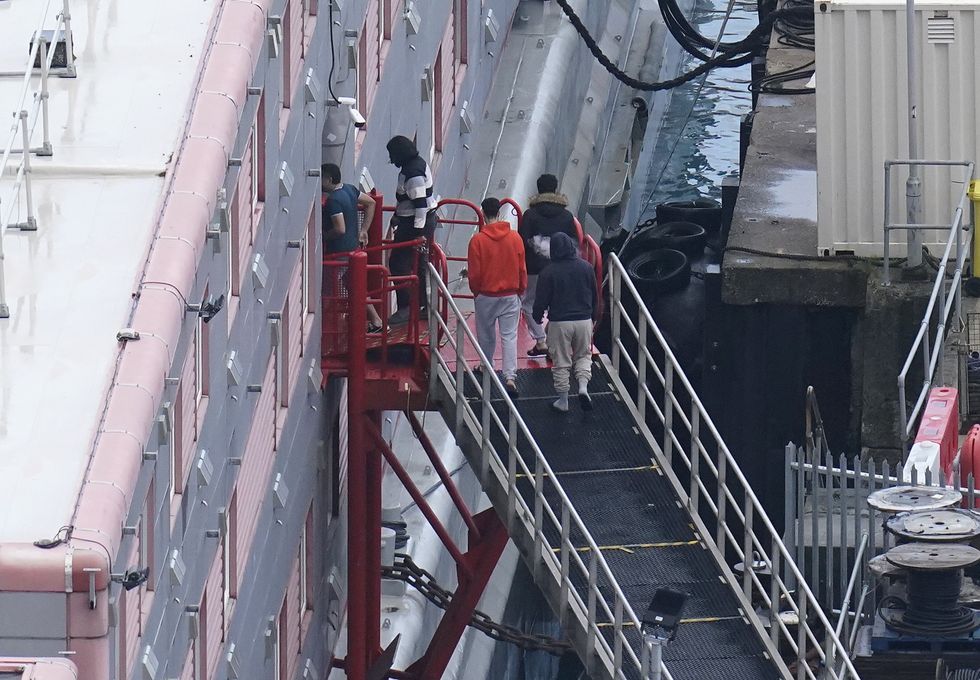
(773, 82)
(932, 607)
(754, 41)
(333, 54)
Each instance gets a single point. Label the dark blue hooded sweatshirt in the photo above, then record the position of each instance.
(566, 287)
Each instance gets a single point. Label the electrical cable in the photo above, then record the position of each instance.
(753, 42)
(333, 54)
(932, 606)
(773, 83)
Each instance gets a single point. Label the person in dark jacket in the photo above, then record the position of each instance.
(415, 217)
(546, 216)
(567, 291)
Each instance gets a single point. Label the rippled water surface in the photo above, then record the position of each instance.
(694, 158)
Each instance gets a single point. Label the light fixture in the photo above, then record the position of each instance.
(208, 308)
(490, 27)
(659, 626)
(205, 470)
(234, 369)
(311, 87)
(413, 20)
(274, 35)
(285, 180)
(465, 120)
(177, 569)
(260, 271)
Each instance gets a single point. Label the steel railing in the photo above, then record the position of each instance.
(846, 619)
(943, 304)
(549, 510)
(676, 420)
(25, 119)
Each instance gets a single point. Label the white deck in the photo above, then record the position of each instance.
(69, 284)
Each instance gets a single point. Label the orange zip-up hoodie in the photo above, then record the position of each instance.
(495, 261)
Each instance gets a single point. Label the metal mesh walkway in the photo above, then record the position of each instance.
(606, 468)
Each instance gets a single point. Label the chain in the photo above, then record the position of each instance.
(406, 570)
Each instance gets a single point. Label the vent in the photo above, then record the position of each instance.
(941, 30)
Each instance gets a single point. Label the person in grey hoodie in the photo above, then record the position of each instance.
(567, 291)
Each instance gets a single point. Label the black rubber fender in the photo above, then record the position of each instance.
(687, 237)
(703, 211)
(659, 271)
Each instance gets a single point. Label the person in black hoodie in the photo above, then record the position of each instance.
(567, 290)
(415, 217)
(545, 217)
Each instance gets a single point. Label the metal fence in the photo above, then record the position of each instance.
(708, 479)
(26, 116)
(943, 307)
(833, 532)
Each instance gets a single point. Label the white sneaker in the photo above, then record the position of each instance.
(561, 403)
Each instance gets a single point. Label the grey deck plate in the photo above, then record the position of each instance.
(605, 467)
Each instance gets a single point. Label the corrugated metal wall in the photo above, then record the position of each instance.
(862, 119)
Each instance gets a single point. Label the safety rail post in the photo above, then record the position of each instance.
(748, 559)
(69, 41)
(45, 149)
(641, 378)
(358, 616)
(511, 472)
(460, 378)
(694, 492)
(485, 427)
(616, 287)
(593, 593)
(538, 512)
(565, 575)
(31, 223)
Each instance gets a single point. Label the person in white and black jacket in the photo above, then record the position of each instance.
(546, 216)
(415, 217)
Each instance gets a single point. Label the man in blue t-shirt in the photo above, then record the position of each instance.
(342, 230)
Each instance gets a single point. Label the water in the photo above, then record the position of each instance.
(693, 159)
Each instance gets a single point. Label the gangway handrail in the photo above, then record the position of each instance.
(619, 613)
(931, 354)
(749, 512)
(20, 127)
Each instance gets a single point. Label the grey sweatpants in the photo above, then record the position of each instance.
(504, 311)
(534, 329)
(570, 347)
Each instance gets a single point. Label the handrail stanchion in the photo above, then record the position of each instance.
(69, 41)
(668, 410)
(614, 312)
(565, 549)
(694, 492)
(641, 377)
(31, 223)
(45, 149)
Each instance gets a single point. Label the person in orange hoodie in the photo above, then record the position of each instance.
(498, 279)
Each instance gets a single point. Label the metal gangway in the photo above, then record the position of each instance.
(643, 493)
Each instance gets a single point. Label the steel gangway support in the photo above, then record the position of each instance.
(525, 481)
(647, 481)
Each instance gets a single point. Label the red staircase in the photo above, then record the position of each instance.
(389, 370)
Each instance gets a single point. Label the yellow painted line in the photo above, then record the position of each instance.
(633, 547)
(521, 475)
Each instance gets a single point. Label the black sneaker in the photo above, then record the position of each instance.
(400, 317)
(537, 352)
(511, 388)
(585, 401)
